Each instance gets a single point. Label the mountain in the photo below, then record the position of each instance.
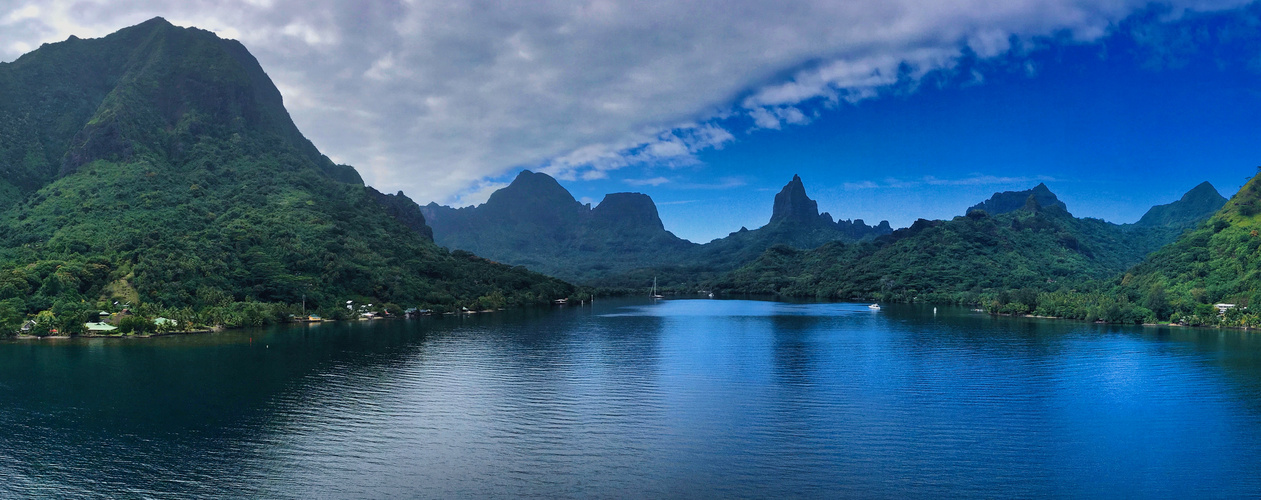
(537, 223)
(1036, 246)
(1217, 262)
(157, 166)
(1010, 201)
(793, 207)
(1198, 204)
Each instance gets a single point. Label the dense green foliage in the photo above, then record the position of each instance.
(1215, 263)
(187, 191)
(1218, 262)
(1024, 261)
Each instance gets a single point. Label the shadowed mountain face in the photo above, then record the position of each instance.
(629, 213)
(1195, 206)
(159, 166)
(792, 204)
(536, 223)
(1010, 201)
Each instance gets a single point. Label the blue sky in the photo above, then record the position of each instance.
(1113, 127)
(888, 109)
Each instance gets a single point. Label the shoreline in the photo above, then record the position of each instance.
(97, 336)
(217, 329)
(1061, 318)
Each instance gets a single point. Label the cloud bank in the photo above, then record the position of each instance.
(435, 97)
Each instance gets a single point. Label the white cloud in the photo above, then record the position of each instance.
(655, 181)
(433, 97)
(719, 184)
(477, 195)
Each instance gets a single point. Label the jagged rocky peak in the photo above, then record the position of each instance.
(627, 210)
(1039, 197)
(792, 204)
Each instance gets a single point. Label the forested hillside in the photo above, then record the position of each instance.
(1038, 247)
(1218, 262)
(157, 167)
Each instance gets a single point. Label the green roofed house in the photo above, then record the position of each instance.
(101, 327)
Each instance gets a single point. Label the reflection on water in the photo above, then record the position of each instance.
(680, 398)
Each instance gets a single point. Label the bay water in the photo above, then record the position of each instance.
(641, 399)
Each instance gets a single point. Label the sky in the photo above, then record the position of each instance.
(888, 109)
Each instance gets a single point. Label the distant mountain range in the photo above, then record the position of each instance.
(537, 223)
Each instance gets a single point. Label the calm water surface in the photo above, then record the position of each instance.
(682, 398)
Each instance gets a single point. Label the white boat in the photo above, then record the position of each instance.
(874, 307)
(654, 289)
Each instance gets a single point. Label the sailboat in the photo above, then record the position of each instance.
(654, 289)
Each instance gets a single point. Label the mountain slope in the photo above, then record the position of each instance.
(1217, 262)
(1037, 247)
(1196, 205)
(176, 179)
(1010, 201)
(535, 222)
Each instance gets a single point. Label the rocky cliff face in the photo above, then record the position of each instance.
(793, 205)
(1011, 201)
(633, 212)
(403, 209)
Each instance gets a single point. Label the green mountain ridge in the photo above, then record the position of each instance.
(1217, 262)
(1196, 205)
(158, 166)
(1036, 247)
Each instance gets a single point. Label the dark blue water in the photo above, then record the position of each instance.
(683, 398)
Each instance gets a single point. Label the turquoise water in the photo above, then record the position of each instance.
(681, 398)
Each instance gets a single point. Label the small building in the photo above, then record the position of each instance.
(165, 322)
(1222, 308)
(26, 327)
(101, 327)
